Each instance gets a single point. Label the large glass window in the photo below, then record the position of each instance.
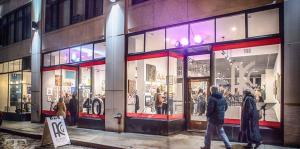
(64, 56)
(177, 36)
(257, 69)
(64, 13)
(94, 8)
(75, 54)
(54, 58)
(136, 43)
(92, 91)
(230, 28)
(202, 32)
(1, 68)
(87, 52)
(47, 59)
(263, 23)
(99, 50)
(151, 93)
(26, 92)
(155, 40)
(3, 92)
(15, 92)
(199, 65)
(78, 10)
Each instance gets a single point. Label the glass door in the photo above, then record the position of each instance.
(198, 90)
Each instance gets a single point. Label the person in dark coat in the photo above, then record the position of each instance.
(215, 115)
(73, 104)
(249, 120)
(137, 102)
(201, 106)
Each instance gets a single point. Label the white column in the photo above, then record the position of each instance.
(115, 66)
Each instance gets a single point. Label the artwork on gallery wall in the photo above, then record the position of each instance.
(148, 102)
(131, 86)
(49, 91)
(57, 80)
(150, 73)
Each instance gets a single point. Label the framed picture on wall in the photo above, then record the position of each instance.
(148, 101)
(131, 86)
(150, 73)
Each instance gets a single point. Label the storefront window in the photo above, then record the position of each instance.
(11, 66)
(47, 59)
(87, 52)
(64, 56)
(149, 92)
(68, 85)
(1, 68)
(5, 67)
(92, 91)
(15, 92)
(54, 58)
(136, 43)
(230, 28)
(257, 69)
(51, 89)
(177, 36)
(99, 50)
(17, 64)
(26, 92)
(199, 66)
(263, 23)
(202, 32)
(75, 54)
(3, 92)
(155, 40)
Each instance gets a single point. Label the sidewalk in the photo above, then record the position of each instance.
(104, 139)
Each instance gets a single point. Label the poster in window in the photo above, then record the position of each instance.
(150, 73)
(131, 86)
(57, 80)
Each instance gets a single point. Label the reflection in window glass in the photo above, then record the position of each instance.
(55, 58)
(47, 59)
(177, 36)
(257, 69)
(99, 50)
(136, 43)
(85, 87)
(202, 32)
(199, 66)
(263, 23)
(3, 91)
(230, 28)
(75, 54)
(155, 40)
(87, 52)
(64, 56)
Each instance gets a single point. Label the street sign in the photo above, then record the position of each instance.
(55, 131)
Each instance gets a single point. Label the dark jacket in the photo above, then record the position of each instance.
(73, 103)
(250, 119)
(216, 109)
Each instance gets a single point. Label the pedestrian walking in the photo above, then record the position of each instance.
(215, 115)
(61, 108)
(249, 120)
(73, 104)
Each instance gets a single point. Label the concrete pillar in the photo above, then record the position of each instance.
(36, 63)
(115, 66)
(291, 53)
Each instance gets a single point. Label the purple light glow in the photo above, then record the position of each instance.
(198, 39)
(184, 41)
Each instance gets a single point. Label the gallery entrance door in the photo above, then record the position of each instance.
(198, 90)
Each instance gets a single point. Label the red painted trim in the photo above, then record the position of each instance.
(155, 116)
(93, 63)
(59, 67)
(261, 123)
(245, 44)
(147, 56)
(176, 55)
(95, 116)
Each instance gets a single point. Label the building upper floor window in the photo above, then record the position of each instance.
(60, 13)
(16, 25)
(134, 2)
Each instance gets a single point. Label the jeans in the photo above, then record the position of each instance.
(73, 119)
(220, 130)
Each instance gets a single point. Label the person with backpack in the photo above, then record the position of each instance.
(250, 120)
(215, 116)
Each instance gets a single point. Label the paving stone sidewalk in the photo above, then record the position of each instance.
(105, 139)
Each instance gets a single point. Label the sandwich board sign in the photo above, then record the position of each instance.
(55, 131)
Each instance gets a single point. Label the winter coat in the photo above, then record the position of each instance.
(61, 109)
(201, 104)
(73, 103)
(250, 119)
(216, 108)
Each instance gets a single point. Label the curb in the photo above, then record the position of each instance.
(73, 141)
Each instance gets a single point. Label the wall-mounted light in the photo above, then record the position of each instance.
(113, 1)
(34, 25)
